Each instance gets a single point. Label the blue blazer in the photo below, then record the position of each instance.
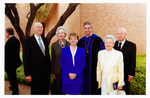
(67, 65)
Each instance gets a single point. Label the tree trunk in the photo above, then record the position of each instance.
(12, 14)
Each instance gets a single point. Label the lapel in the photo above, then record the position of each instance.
(124, 46)
(103, 59)
(110, 59)
(57, 42)
(70, 54)
(66, 44)
(37, 45)
(116, 45)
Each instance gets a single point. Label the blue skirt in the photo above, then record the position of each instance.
(72, 89)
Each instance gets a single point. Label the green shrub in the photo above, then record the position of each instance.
(138, 85)
(21, 75)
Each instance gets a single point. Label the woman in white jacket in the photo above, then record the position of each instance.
(110, 67)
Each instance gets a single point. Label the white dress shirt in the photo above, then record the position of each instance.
(122, 43)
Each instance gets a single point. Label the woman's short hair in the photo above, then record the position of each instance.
(110, 37)
(10, 31)
(61, 27)
(74, 35)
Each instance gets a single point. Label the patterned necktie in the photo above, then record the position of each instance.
(119, 48)
(41, 46)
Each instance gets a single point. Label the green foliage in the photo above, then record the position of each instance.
(44, 12)
(138, 84)
(21, 75)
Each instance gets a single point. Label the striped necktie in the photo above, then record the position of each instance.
(41, 46)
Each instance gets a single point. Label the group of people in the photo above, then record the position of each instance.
(86, 66)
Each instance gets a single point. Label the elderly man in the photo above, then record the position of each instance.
(92, 44)
(36, 60)
(129, 54)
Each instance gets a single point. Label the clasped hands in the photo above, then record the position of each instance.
(72, 76)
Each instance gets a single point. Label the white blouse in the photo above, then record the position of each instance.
(107, 56)
(73, 54)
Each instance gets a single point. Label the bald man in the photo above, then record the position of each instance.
(129, 54)
(36, 60)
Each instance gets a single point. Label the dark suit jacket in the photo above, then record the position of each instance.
(12, 57)
(129, 56)
(35, 63)
(56, 53)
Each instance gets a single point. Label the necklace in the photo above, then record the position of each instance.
(86, 46)
(62, 45)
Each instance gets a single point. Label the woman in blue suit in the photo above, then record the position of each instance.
(72, 63)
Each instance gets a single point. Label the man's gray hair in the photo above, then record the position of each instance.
(123, 30)
(110, 37)
(36, 23)
(61, 27)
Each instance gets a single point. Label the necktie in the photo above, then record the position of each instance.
(119, 48)
(41, 46)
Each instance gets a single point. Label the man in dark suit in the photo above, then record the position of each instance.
(12, 59)
(36, 61)
(129, 53)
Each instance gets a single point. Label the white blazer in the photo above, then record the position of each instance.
(114, 70)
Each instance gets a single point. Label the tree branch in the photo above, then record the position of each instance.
(32, 17)
(67, 13)
(10, 9)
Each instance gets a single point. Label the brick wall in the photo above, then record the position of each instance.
(105, 17)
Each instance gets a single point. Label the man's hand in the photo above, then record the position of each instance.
(119, 88)
(29, 78)
(130, 78)
(53, 76)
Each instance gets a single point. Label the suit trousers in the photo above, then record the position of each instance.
(40, 87)
(126, 87)
(57, 85)
(13, 80)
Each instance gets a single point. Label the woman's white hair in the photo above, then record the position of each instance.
(61, 27)
(110, 37)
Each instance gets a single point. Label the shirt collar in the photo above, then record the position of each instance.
(11, 36)
(36, 37)
(122, 41)
(90, 35)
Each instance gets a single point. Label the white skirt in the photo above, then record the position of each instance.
(104, 87)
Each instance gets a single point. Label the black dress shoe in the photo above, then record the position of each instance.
(10, 87)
